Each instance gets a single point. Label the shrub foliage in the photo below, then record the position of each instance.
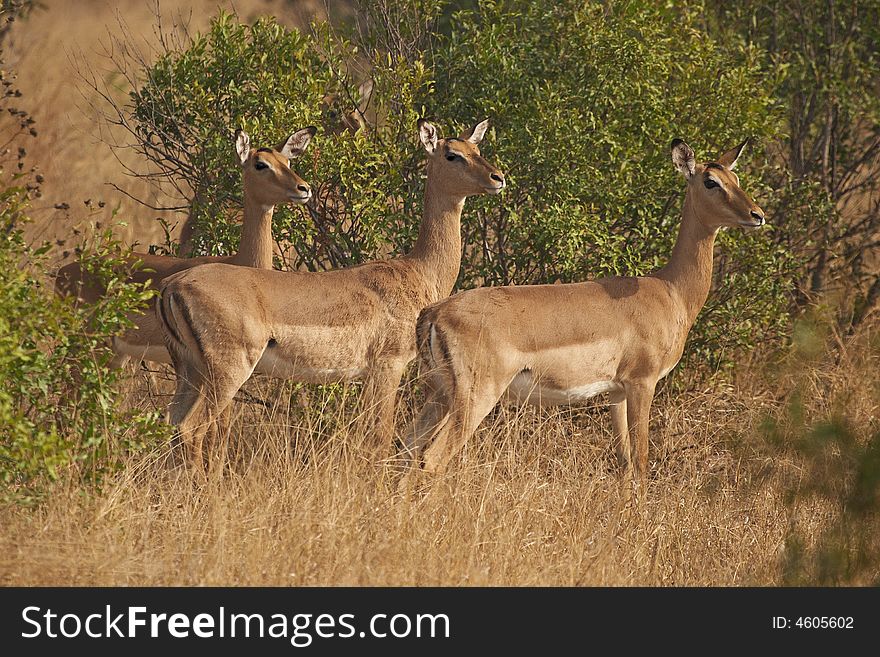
(59, 409)
(584, 98)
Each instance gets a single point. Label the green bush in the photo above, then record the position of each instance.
(830, 142)
(585, 100)
(58, 400)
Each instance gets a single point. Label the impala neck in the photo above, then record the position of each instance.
(255, 248)
(438, 247)
(689, 269)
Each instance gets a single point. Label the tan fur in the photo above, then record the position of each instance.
(263, 189)
(223, 323)
(561, 344)
(341, 117)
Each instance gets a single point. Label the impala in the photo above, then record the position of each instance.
(267, 180)
(341, 117)
(223, 323)
(562, 344)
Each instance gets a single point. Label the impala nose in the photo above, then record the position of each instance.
(497, 177)
(305, 189)
(757, 216)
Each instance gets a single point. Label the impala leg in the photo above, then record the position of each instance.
(186, 394)
(378, 404)
(221, 389)
(199, 402)
(197, 417)
(218, 400)
(118, 361)
(434, 411)
(187, 397)
(620, 432)
(193, 431)
(466, 417)
(217, 438)
(208, 421)
(638, 410)
(119, 358)
(224, 422)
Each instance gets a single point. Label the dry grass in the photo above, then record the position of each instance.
(533, 501)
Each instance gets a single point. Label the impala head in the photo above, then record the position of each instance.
(455, 163)
(340, 117)
(267, 175)
(713, 188)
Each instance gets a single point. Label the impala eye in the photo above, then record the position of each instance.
(452, 157)
(710, 184)
(259, 165)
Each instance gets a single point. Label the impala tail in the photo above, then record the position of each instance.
(431, 344)
(434, 354)
(176, 322)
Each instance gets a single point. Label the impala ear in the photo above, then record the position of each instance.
(683, 158)
(730, 157)
(475, 136)
(428, 135)
(296, 144)
(242, 145)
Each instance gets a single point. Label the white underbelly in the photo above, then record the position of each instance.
(282, 368)
(525, 389)
(153, 353)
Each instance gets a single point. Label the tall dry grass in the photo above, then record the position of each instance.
(534, 499)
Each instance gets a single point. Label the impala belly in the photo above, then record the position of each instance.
(566, 375)
(525, 388)
(315, 355)
(154, 353)
(286, 368)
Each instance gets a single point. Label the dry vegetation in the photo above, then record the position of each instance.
(533, 501)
